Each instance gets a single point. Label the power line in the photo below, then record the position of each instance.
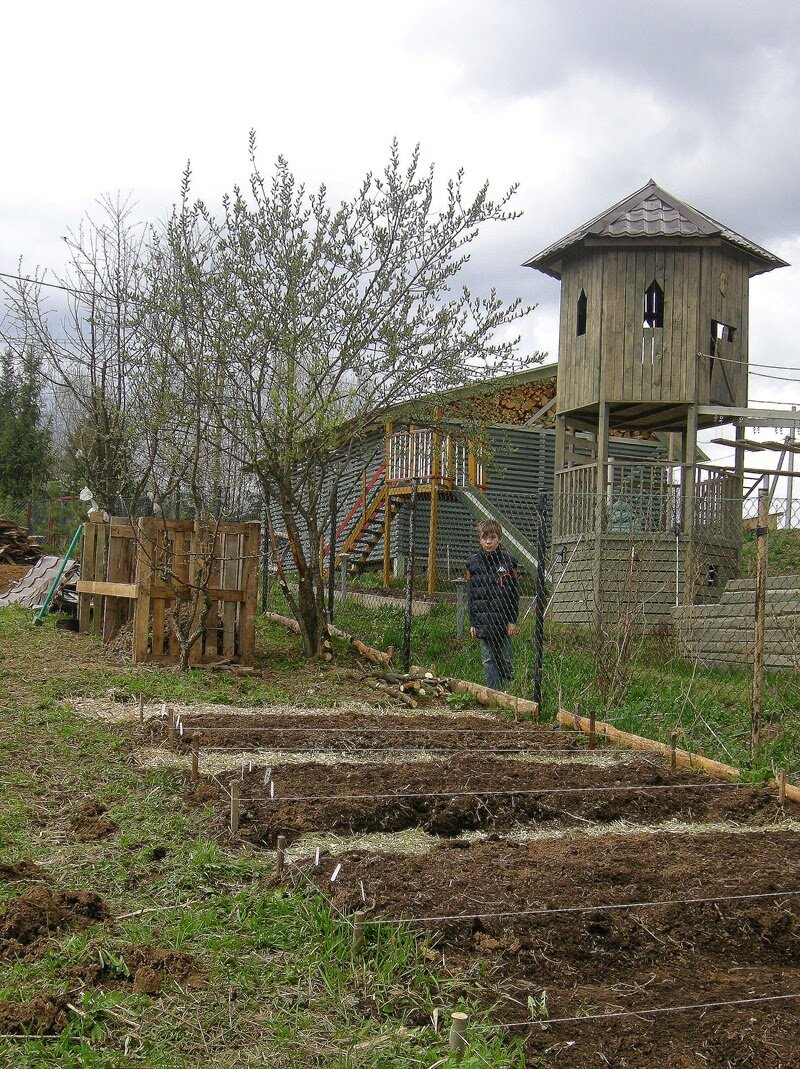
(60, 286)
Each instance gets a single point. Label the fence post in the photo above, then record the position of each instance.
(538, 639)
(344, 565)
(265, 559)
(461, 605)
(458, 1034)
(332, 556)
(760, 613)
(412, 505)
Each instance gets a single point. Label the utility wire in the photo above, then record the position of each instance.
(60, 286)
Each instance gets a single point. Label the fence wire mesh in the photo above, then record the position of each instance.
(651, 617)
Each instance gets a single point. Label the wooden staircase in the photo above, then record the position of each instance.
(366, 534)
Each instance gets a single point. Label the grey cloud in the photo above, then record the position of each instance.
(684, 50)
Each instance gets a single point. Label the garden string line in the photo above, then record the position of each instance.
(580, 909)
(491, 793)
(544, 751)
(545, 1021)
(349, 729)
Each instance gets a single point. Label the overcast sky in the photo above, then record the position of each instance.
(580, 103)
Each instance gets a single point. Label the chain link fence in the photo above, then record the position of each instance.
(654, 619)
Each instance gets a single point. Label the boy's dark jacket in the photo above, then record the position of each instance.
(492, 592)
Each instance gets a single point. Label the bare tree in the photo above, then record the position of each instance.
(83, 334)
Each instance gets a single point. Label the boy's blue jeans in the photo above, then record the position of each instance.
(496, 657)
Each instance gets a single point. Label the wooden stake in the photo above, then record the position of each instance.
(358, 930)
(281, 857)
(782, 788)
(235, 795)
(673, 750)
(141, 708)
(195, 756)
(592, 732)
(458, 1034)
(760, 614)
(171, 726)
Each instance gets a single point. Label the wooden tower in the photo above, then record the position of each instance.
(652, 339)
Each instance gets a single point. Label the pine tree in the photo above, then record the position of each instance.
(24, 433)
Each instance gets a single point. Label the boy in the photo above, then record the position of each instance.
(493, 602)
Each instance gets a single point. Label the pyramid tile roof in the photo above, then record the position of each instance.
(652, 213)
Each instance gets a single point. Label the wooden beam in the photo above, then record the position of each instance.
(753, 417)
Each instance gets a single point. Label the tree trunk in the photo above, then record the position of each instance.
(310, 606)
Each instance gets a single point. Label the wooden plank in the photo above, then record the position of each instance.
(87, 569)
(100, 569)
(633, 320)
(197, 548)
(117, 571)
(612, 336)
(114, 590)
(231, 551)
(158, 635)
(144, 574)
(247, 625)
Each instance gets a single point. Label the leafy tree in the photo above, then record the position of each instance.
(323, 317)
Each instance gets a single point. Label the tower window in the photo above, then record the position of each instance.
(581, 318)
(654, 305)
(720, 332)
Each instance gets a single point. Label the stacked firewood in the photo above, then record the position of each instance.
(15, 548)
(411, 688)
(515, 405)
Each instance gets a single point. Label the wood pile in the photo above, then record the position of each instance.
(411, 688)
(15, 548)
(514, 405)
(517, 406)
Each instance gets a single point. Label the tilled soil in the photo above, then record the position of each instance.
(600, 956)
(37, 916)
(486, 793)
(363, 732)
(575, 955)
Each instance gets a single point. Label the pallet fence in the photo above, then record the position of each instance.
(140, 572)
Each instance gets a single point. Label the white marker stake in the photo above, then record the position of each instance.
(272, 788)
(336, 872)
(163, 710)
(316, 857)
(363, 892)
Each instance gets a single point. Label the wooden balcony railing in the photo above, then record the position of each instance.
(431, 457)
(646, 496)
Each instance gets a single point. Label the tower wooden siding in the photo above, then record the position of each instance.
(612, 360)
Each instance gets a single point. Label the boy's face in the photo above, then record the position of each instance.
(489, 542)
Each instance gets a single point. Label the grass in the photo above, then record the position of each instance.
(281, 985)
